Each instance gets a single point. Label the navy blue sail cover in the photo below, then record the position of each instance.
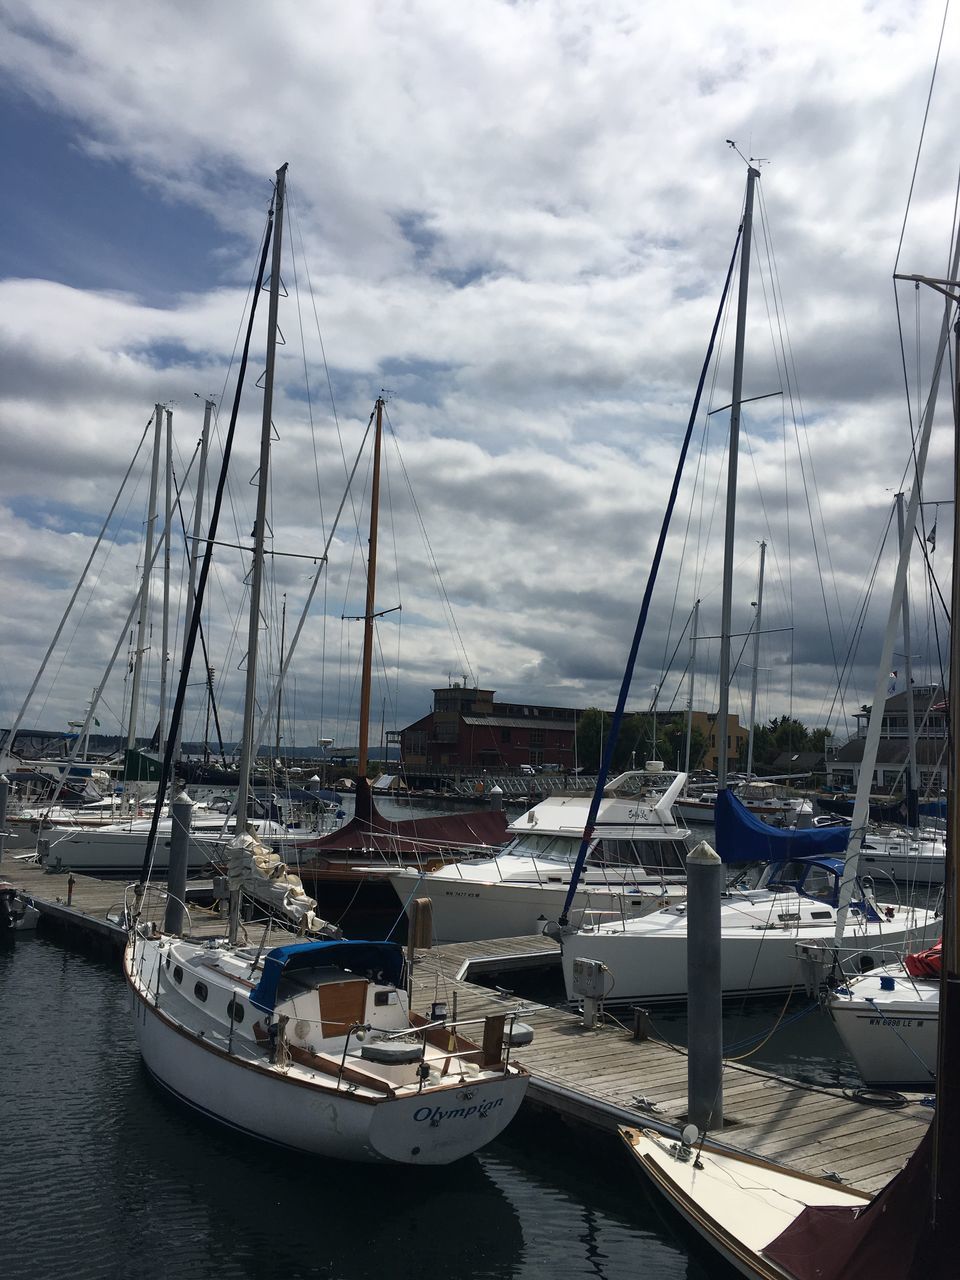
(362, 958)
(742, 837)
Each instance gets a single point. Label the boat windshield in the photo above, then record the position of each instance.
(654, 856)
(550, 847)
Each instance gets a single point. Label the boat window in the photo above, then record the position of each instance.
(200, 991)
(177, 973)
(819, 883)
(554, 848)
(235, 1011)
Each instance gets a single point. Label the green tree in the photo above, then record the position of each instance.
(673, 737)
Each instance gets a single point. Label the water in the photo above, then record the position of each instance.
(102, 1176)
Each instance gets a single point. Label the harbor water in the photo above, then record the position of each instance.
(103, 1177)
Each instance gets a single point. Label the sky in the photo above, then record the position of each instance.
(514, 220)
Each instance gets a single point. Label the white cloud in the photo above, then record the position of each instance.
(517, 218)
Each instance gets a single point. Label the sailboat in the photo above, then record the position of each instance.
(777, 1224)
(803, 900)
(312, 1046)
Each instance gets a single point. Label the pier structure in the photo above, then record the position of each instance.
(615, 1074)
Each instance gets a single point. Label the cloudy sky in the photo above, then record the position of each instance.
(516, 219)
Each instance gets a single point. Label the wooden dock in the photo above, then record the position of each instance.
(602, 1077)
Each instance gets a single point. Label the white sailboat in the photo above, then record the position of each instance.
(776, 1224)
(888, 1019)
(312, 1046)
(799, 902)
(636, 863)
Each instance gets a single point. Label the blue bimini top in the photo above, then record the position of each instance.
(743, 837)
(380, 960)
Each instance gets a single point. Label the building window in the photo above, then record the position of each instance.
(504, 735)
(536, 757)
(537, 737)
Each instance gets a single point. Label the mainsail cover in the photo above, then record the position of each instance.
(742, 837)
(265, 877)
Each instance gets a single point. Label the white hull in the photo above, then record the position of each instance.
(472, 911)
(388, 1114)
(121, 852)
(891, 1035)
(737, 1203)
(924, 867)
(653, 966)
(318, 1121)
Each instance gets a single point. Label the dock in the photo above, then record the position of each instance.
(603, 1077)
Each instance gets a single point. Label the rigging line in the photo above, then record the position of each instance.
(92, 593)
(191, 637)
(295, 220)
(203, 642)
(923, 129)
(645, 603)
(931, 576)
(789, 361)
(326, 370)
(446, 604)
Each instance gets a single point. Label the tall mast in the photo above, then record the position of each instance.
(913, 818)
(259, 534)
(733, 447)
(283, 641)
(165, 626)
(141, 638)
(756, 659)
(693, 663)
(194, 554)
(946, 1120)
(366, 670)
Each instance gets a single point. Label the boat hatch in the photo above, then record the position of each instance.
(380, 962)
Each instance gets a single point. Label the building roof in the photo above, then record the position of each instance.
(930, 751)
(520, 722)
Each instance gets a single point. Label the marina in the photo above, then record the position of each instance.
(593, 1078)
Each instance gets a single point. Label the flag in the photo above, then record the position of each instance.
(892, 684)
(932, 537)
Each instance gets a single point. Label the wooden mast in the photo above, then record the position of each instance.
(364, 808)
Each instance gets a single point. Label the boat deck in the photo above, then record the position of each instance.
(604, 1077)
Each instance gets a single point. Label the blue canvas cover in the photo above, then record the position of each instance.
(742, 837)
(359, 957)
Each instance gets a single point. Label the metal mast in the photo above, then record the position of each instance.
(756, 659)
(259, 535)
(145, 589)
(720, 727)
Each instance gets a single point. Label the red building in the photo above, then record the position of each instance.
(467, 730)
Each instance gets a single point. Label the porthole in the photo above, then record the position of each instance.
(177, 973)
(235, 1011)
(200, 991)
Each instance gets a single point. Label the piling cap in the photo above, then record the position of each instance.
(497, 791)
(703, 853)
(182, 798)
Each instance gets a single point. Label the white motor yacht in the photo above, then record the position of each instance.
(635, 863)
